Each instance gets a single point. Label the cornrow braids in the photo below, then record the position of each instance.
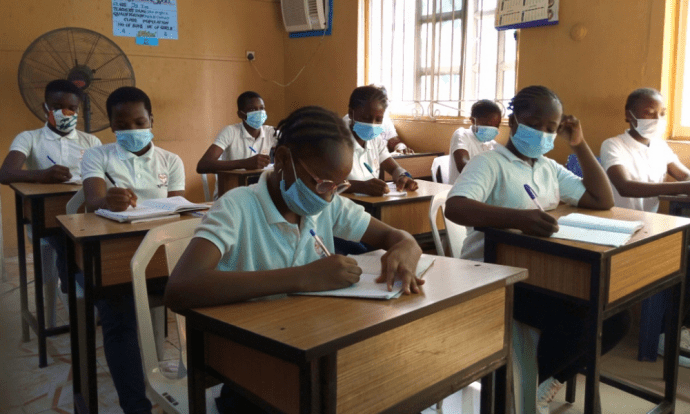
(365, 94)
(528, 96)
(638, 94)
(312, 126)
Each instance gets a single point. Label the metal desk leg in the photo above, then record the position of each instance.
(672, 344)
(36, 232)
(21, 247)
(595, 321)
(79, 406)
(90, 259)
(196, 377)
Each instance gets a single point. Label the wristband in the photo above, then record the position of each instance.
(399, 172)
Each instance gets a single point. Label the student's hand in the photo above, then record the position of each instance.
(400, 262)
(407, 183)
(257, 162)
(118, 199)
(332, 272)
(375, 187)
(55, 174)
(537, 223)
(571, 130)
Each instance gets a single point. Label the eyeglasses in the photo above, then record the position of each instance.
(326, 186)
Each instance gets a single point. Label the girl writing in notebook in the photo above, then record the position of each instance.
(490, 192)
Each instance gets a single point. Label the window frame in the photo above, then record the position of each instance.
(679, 132)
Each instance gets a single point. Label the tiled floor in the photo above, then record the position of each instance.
(27, 389)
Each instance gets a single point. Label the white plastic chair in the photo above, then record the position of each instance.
(455, 233)
(441, 163)
(169, 392)
(75, 203)
(207, 190)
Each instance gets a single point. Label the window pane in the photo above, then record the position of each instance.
(441, 5)
(685, 106)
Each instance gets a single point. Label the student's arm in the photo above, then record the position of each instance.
(627, 187)
(114, 199)
(678, 171)
(373, 187)
(461, 157)
(195, 282)
(598, 194)
(401, 257)
(396, 171)
(12, 172)
(392, 142)
(209, 162)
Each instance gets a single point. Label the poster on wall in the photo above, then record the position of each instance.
(147, 20)
(520, 14)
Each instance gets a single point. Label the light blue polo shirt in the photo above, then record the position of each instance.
(498, 178)
(252, 235)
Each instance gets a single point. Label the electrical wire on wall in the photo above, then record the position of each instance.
(251, 62)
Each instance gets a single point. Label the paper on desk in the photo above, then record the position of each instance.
(392, 192)
(606, 238)
(76, 180)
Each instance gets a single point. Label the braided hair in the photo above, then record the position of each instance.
(639, 94)
(312, 127)
(365, 94)
(527, 97)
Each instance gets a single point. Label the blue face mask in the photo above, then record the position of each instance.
(299, 198)
(256, 118)
(531, 142)
(134, 140)
(484, 133)
(367, 131)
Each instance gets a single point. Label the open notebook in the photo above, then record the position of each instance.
(371, 269)
(596, 230)
(154, 209)
(393, 192)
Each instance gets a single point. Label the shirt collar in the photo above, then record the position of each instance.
(49, 134)
(501, 149)
(246, 135)
(630, 141)
(123, 154)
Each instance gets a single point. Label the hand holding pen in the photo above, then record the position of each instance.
(258, 161)
(55, 174)
(119, 199)
(333, 271)
(374, 186)
(536, 222)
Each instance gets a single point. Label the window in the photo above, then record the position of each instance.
(438, 57)
(680, 109)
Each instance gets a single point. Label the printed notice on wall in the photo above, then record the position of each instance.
(145, 18)
(519, 14)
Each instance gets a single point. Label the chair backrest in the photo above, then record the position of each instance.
(75, 202)
(455, 233)
(440, 169)
(174, 237)
(207, 191)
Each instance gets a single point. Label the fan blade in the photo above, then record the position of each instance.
(45, 69)
(93, 48)
(56, 55)
(113, 58)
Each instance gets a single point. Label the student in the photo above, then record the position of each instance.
(389, 134)
(256, 240)
(637, 162)
(245, 145)
(366, 109)
(53, 153)
(140, 171)
(490, 193)
(468, 142)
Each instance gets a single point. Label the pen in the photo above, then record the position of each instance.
(252, 148)
(110, 179)
(51, 160)
(533, 196)
(370, 169)
(319, 242)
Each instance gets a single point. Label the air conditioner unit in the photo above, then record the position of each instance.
(304, 15)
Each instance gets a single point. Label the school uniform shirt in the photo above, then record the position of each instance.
(464, 138)
(252, 235)
(151, 175)
(498, 177)
(39, 144)
(387, 124)
(235, 142)
(374, 153)
(647, 164)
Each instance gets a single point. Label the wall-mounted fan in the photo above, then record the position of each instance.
(92, 61)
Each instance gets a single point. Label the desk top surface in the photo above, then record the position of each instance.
(318, 324)
(89, 226)
(244, 172)
(680, 198)
(43, 190)
(417, 155)
(426, 190)
(655, 226)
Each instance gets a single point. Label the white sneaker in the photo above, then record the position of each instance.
(682, 361)
(547, 390)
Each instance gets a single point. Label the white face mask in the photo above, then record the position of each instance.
(63, 120)
(650, 128)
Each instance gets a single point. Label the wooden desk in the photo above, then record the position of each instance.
(676, 203)
(607, 280)
(227, 180)
(302, 354)
(103, 250)
(38, 205)
(418, 165)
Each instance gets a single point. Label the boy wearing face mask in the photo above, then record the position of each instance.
(140, 171)
(53, 153)
(637, 162)
(468, 142)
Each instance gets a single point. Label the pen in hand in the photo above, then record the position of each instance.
(533, 196)
(252, 148)
(110, 179)
(368, 167)
(319, 242)
(51, 160)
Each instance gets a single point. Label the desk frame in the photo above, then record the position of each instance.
(227, 180)
(599, 310)
(39, 229)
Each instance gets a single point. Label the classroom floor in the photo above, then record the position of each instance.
(27, 389)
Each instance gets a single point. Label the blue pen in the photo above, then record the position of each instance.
(253, 150)
(319, 242)
(51, 160)
(533, 196)
(368, 167)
